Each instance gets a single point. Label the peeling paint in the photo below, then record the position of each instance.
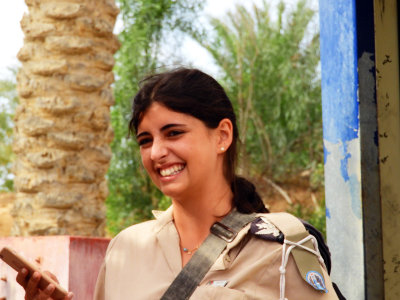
(326, 153)
(328, 213)
(339, 71)
(344, 163)
(341, 39)
(344, 222)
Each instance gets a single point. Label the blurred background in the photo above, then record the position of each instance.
(264, 53)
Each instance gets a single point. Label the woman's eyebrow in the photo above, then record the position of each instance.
(168, 126)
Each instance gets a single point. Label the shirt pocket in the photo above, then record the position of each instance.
(217, 293)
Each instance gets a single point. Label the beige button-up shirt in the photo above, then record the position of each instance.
(143, 260)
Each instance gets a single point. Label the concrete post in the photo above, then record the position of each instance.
(340, 107)
(387, 92)
(360, 93)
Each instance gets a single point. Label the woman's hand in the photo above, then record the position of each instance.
(32, 291)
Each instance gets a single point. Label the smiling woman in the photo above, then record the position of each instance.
(217, 240)
(186, 128)
(199, 100)
(179, 153)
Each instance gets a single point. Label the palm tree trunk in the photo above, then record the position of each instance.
(62, 124)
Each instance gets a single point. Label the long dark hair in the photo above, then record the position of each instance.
(197, 94)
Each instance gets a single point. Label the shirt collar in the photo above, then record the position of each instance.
(168, 239)
(163, 217)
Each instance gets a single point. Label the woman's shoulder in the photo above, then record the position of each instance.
(281, 225)
(144, 232)
(276, 226)
(300, 243)
(286, 228)
(146, 227)
(143, 228)
(130, 236)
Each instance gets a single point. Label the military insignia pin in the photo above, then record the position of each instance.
(265, 230)
(316, 280)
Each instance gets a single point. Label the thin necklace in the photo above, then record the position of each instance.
(188, 251)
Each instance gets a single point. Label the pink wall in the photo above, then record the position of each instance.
(74, 260)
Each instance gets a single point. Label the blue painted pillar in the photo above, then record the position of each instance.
(350, 146)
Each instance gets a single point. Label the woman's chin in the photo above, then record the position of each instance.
(172, 193)
(173, 190)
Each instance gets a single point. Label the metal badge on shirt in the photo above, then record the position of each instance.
(265, 230)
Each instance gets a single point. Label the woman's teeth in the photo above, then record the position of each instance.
(172, 170)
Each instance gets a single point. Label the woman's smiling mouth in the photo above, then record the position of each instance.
(173, 170)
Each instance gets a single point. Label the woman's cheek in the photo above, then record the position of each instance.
(145, 160)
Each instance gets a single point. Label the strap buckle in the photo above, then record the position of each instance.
(223, 232)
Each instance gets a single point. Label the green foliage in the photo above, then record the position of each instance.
(132, 194)
(269, 68)
(8, 103)
(315, 216)
(268, 58)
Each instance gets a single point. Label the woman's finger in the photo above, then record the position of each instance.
(31, 289)
(51, 275)
(31, 286)
(21, 277)
(49, 289)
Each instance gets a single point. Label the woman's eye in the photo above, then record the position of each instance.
(143, 142)
(174, 133)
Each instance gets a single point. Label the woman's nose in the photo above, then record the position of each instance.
(158, 150)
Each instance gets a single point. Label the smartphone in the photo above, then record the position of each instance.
(17, 262)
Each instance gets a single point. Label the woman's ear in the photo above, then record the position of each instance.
(225, 135)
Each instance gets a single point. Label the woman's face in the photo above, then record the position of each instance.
(178, 151)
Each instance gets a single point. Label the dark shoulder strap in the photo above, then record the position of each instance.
(194, 271)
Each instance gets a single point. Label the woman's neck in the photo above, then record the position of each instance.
(194, 217)
(203, 210)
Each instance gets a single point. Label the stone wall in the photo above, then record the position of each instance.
(62, 125)
(6, 220)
